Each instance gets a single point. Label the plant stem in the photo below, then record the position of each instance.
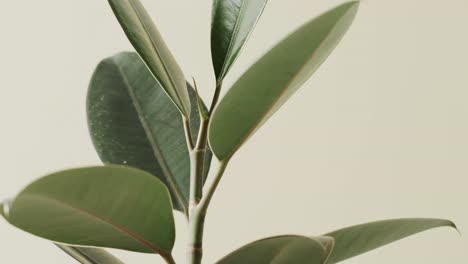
(188, 133)
(197, 162)
(197, 213)
(195, 246)
(197, 158)
(205, 202)
(197, 219)
(219, 86)
(196, 223)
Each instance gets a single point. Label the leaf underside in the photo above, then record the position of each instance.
(88, 255)
(148, 42)
(263, 88)
(355, 240)
(282, 250)
(114, 207)
(333, 247)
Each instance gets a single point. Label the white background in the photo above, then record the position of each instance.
(379, 132)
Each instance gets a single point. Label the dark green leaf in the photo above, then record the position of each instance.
(115, 207)
(283, 250)
(89, 255)
(148, 42)
(274, 78)
(132, 122)
(232, 23)
(356, 240)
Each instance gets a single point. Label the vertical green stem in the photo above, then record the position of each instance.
(197, 213)
(219, 85)
(195, 247)
(188, 133)
(197, 219)
(197, 162)
(196, 177)
(196, 224)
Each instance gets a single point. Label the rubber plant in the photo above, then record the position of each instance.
(157, 137)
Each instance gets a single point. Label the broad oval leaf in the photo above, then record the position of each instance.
(232, 23)
(114, 207)
(148, 42)
(274, 78)
(283, 250)
(132, 122)
(356, 240)
(89, 255)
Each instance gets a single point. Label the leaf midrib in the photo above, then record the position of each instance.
(153, 141)
(118, 228)
(264, 116)
(235, 31)
(281, 250)
(290, 243)
(254, 243)
(157, 52)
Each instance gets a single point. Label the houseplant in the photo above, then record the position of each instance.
(135, 125)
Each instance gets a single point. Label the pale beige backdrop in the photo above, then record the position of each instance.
(380, 131)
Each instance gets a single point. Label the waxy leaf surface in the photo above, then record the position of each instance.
(114, 207)
(132, 122)
(148, 42)
(356, 240)
(283, 250)
(274, 78)
(232, 23)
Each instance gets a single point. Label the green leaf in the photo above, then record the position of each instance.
(232, 23)
(147, 41)
(88, 255)
(274, 78)
(114, 207)
(132, 122)
(356, 240)
(283, 250)
(202, 110)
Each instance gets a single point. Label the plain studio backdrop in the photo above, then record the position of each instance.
(380, 131)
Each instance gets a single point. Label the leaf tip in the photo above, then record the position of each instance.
(5, 208)
(350, 7)
(353, 6)
(449, 223)
(328, 244)
(354, 2)
(454, 226)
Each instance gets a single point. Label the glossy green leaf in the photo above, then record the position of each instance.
(274, 78)
(115, 207)
(132, 122)
(232, 23)
(283, 250)
(148, 42)
(356, 240)
(89, 255)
